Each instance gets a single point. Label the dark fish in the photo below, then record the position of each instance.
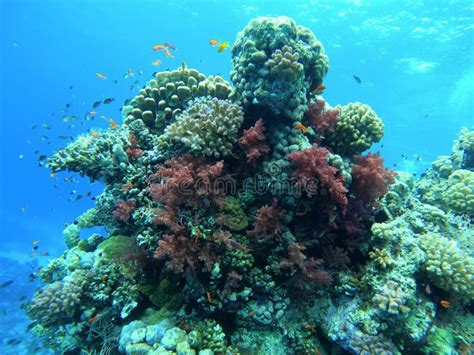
(127, 101)
(357, 79)
(132, 87)
(89, 194)
(170, 45)
(6, 283)
(79, 197)
(36, 151)
(68, 105)
(46, 126)
(34, 126)
(96, 104)
(22, 298)
(426, 115)
(70, 86)
(136, 81)
(14, 341)
(115, 81)
(42, 157)
(108, 100)
(35, 247)
(66, 137)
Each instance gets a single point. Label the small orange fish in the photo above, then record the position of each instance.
(428, 289)
(113, 124)
(33, 255)
(445, 303)
(156, 63)
(53, 175)
(95, 134)
(158, 47)
(92, 320)
(213, 42)
(319, 90)
(35, 242)
(251, 313)
(310, 327)
(302, 128)
(168, 54)
(100, 76)
(103, 277)
(44, 253)
(93, 113)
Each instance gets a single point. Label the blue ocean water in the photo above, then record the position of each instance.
(414, 59)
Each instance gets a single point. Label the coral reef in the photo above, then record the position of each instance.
(246, 220)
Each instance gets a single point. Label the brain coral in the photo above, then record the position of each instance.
(208, 127)
(355, 131)
(276, 63)
(166, 96)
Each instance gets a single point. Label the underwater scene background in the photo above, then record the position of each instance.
(240, 177)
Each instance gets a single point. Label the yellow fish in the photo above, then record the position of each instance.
(222, 46)
(156, 63)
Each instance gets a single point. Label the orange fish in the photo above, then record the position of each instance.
(44, 253)
(213, 42)
(301, 213)
(302, 128)
(319, 90)
(103, 277)
(251, 313)
(32, 255)
(53, 175)
(35, 242)
(156, 63)
(168, 54)
(113, 124)
(209, 297)
(95, 134)
(158, 47)
(92, 320)
(428, 290)
(445, 303)
(310, 327)
(93, 113)
(100, 76)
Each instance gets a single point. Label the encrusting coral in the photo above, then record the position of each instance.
(246, 220)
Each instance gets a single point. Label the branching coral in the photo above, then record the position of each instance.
(124, 210)
(356, 130)
(208, 127)
(448, 266)
(267, 221)
(370, 179)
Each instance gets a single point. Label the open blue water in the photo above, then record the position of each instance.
(414, 58)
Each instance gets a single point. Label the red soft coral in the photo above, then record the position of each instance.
(133, 151)
(185, 181)
(314, 174)
(253, 142)
(267, 221)
(123, 210)
(370, 179)
(180, 251)
(321, 119)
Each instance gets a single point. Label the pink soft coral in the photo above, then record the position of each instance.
(370, 179)
(123, 210)
(314, 174)
(133, 152)
(321, 119)
(253, 142)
